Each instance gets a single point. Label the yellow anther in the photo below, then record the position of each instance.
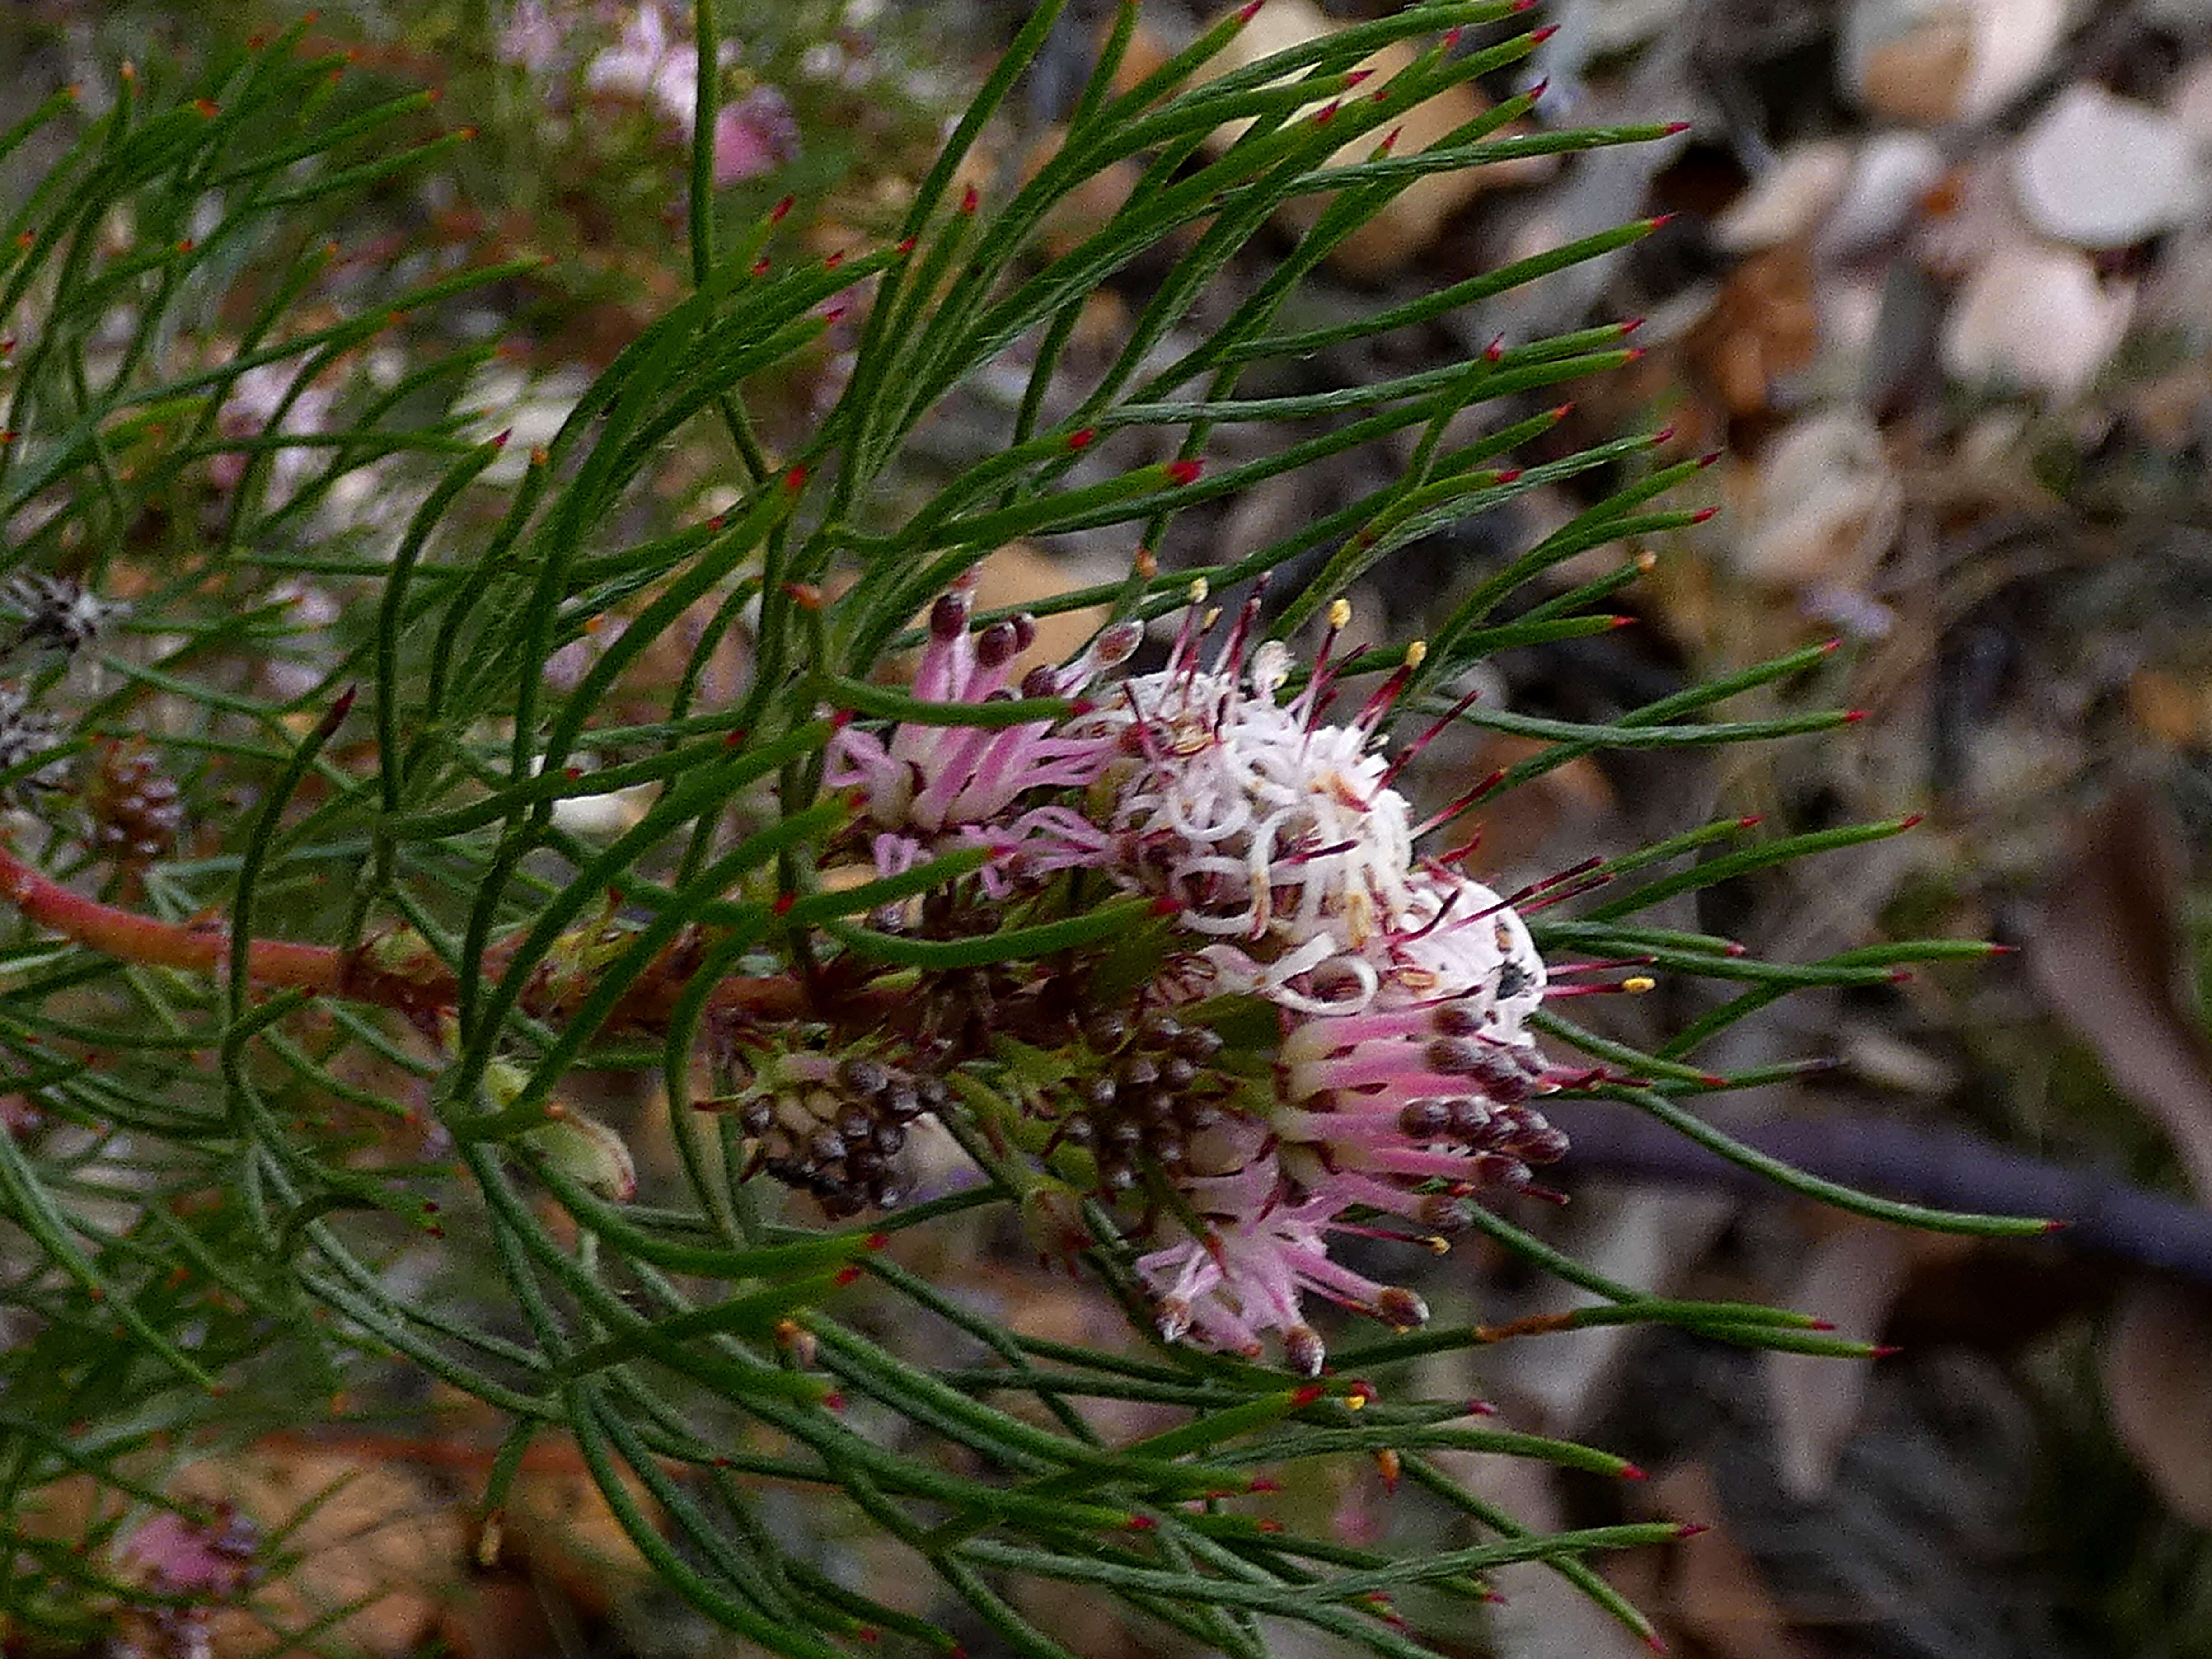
(1356, 1401)
(1647, 561)
(1416, 654)
(1638, 985)
(1339, 614)
(1197, 590)
(1212, 616)
(1437, 1244)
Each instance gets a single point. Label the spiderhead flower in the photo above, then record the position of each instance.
(1401, 1085)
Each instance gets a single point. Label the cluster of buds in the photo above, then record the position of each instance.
(135, 808)
(834, 1126)
(1400, 1081)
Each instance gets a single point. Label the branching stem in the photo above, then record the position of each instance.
(359, 973)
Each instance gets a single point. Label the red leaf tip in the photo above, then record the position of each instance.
(1821, 1325)
(1082, 438)
(1633, 1472)
(970, 200)
(1185, 473)
(1705, 515)
(1692, 1528)
(1883, 1351)
(1537, 37)
(844, 1276)
(777, 213)
(1673, 127)
(1912, 821)
(1853, 716)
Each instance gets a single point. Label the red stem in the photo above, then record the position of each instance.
(326, 971)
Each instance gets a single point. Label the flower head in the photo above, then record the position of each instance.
(1401, 1084)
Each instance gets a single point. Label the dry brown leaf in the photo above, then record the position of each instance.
(2109, 959)
(1714, 1591)
(2158, 1380)
(1852, 1278)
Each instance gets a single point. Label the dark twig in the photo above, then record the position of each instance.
(2105, 1216)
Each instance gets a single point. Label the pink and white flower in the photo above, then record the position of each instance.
(1264, 1246)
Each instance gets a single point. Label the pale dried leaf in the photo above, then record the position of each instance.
(2158, 1380)
(1714, 1591)
(1852, 1278)
(2110, 960)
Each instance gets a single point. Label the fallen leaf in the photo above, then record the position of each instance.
(2158, 1380)
(2109, 959)
(1851, 1280)
(1715, 1590)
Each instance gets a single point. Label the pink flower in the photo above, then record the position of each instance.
(531, 38)
(1263, 1247)
(926, 782)
(649, 65)
(753, 136)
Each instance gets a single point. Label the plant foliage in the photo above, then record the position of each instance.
(288, 1092)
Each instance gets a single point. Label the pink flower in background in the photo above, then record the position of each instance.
(649, 63)
(531, 38)
(755, 134)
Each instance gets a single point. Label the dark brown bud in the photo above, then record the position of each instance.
(1105, 1030)
(1158, 1031)
(1198, 1044)
(865, 1077)
(1401, 1308)
(1455, 1019)
(1426, 1120)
